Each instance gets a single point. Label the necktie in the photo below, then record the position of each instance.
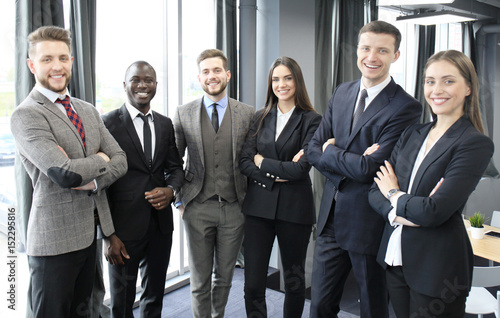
(360, 109)
(147, 139)
(215, 117)
(73, 117)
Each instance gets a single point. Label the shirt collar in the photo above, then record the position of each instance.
(207, 102)
(375, 90)
(51, 95)
(288, 114)
(134, 111)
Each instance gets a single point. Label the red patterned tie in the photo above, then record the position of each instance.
(73, 117)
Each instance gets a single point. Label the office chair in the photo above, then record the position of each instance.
(480, 300)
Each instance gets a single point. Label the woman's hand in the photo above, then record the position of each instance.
(299, 154)
(257, 159)
(386, 179)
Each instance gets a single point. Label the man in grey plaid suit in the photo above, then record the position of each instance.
(71, 159)
(212, 129)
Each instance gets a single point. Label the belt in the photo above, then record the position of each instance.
(217, 198)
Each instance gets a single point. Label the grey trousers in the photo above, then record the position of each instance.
(214, 235)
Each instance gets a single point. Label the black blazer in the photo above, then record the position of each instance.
(129, 209)
(290, 201)
(357, 227)
(437, 255)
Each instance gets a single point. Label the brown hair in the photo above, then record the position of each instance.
(48, 33)
(381, 27)
(301, 97)
(468, 72)
(209, 53)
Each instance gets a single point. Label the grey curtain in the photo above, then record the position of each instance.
(337, 26)
(426, 47)
(226, 29)
(30, 15)
(82, 22)
(470, 47)
(349, 19)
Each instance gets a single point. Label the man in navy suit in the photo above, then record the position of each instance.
(140, 200)
(349, 231)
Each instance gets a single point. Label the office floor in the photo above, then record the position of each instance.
(177, 304)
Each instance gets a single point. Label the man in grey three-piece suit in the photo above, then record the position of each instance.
(213, 130)
(71, 159)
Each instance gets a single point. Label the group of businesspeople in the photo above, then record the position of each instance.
(390, 210)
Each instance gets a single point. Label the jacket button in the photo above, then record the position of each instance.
(263, 185)
(272, 176)
(267, 174)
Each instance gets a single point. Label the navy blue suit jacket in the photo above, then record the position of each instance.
(290, 201)
(438, 254)
(350, 174)
(129, 209)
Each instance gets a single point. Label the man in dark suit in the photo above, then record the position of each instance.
(71, 159)
(140, 200)
(371, 112)
(212, 129)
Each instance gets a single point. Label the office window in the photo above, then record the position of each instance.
(166, 34)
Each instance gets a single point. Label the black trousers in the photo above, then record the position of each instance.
(151, 254)
(408, 303)
(293, 239)
(331, 267)
(62, 284)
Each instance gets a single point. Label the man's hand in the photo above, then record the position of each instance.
(103, 156)
(114, 249)
(88, 187)
(370, 150)
(181, 210)
(159, 197)
(330, 141)
(62, 150)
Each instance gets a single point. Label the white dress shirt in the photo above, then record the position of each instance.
(372, 92)
(139, 125)
(393, 255)
(281, 120)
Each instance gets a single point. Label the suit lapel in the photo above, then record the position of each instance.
(267, 134)
(442, 145)
(235, 124)
(410, 152)
(195, 115)
(128, 126)
(376, 106)
(158, 134)
(51, 107)
(288, 129)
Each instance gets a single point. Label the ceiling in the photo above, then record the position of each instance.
(487, 10)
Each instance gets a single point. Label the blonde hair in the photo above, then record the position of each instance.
(48, 33)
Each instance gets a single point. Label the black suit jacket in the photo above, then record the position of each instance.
(437, 257)
(357, 227)
(129, 208)
(290, 201)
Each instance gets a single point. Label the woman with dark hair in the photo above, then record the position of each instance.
(421, 192)
(279, 200)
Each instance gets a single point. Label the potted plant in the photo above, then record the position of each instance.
(476, 223)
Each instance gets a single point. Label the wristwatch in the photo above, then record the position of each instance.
(391, 193)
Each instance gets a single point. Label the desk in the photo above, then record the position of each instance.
(488, 247)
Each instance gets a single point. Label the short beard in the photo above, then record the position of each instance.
(45, 83)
